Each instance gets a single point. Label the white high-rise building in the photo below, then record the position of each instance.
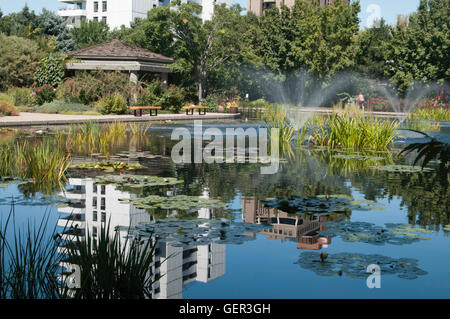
(122, 12)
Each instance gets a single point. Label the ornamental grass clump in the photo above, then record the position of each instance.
(112, 267)
(356, 133)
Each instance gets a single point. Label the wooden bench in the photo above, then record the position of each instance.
(140, 108)
(194, 107)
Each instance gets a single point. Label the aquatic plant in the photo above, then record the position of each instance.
(112, 267)
(430, 114)
(395, 234)
(184, 232)
(29, 261)
(354, 265)
(400, 169)
(356, 133)
(321, 204)
(182, 202)
(137, 181)
(428, 151)
(108, 166)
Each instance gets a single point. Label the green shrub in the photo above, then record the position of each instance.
(42, 94)
(5, 97)
(20, 96)
(173, 99)
(56, 107)
(151, 95)
(210, 102)
(19, 58)
(51, 70)
(115, 103)
(88, 88)
(6, 108)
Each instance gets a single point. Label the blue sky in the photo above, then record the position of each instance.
(388, 9)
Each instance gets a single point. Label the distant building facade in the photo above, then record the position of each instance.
(122, 12)
(258, 6)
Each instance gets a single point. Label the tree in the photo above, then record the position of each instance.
(90, 33)
(371, 46)
(19, 59)
(419, 50)
(206, 45)
(52, 25)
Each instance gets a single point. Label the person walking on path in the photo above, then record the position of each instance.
(361, 101)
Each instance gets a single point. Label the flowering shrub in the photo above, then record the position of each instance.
(6, 108)
(42, 94)
(379, 104)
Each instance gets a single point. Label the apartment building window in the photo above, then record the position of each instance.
(94, 202)
(103, 217)
(96, 19)
(104, 6)
(94, 216)
(79, 5)
(94, 231)
(103, 189)
(104, 19)
(103, 204)
(95, 6)
(95, 188)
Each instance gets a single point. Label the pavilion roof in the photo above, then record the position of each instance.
(118, 50)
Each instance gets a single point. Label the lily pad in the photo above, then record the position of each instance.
(137, 181)
(354, 265)
(402, 168)
(182, 202)
(397, 234)
(322, 204)
(108, 166)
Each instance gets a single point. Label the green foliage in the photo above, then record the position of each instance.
(6, 108)
(151, 95)
(61, 107)
(51, 70)
(432, 150)
(356, 133)
(28, 261)
(20, 96)
(172, 99)
(419, 48)
(52, 25)
(210, 102)
(107, 270)
(43, 94)
(90, 33)
(434, 114)
(115, 103)
(87, 88)
(19, 59)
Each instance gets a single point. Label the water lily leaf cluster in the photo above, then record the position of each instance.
(181, 202)
(396, 234)
(354, 265)
(137, 181)
(108, 166)
(402, 168)
(322, 204)
(183, 233)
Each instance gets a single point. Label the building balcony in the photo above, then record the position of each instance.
(73, 1)
(72, 12)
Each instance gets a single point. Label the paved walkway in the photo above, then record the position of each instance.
(34, 119)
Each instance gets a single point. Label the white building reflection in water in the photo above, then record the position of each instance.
(172, 268)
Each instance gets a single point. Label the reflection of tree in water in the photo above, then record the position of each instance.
(304, 176)
(425, 195)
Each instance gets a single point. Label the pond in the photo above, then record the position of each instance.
(227, 231)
